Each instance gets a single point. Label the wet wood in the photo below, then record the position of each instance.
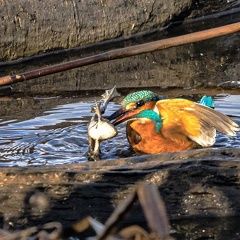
(204, 64)
(123, 53)
(189, 66)
(197, 183)
(150, 201)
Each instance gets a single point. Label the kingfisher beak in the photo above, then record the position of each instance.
(121, 115)
(116, 114)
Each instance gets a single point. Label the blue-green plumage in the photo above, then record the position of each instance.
(207, 101)
(149, 114)
(144, 95)
(186, 124)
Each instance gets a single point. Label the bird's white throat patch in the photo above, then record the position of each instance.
(156, 110)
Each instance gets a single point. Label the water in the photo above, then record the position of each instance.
(57, 136)
(36, 131)
(58, 133)
(228, 104)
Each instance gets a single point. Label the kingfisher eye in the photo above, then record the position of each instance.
(139, 103)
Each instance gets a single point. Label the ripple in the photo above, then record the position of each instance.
(59, 135)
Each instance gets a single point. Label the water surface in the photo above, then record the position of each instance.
(51, 132)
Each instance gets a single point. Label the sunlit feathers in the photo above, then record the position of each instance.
(156, 126)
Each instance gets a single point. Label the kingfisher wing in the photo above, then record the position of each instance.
(195, 121)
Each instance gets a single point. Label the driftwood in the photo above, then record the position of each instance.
(150, 201)
(199, 183)
(123, 53)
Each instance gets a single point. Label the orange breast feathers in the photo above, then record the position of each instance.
(143, 138)
(185, 125)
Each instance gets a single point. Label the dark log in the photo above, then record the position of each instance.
(123, 53)
(198, 183)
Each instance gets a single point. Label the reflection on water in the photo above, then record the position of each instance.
(59, 134)
(228, 104)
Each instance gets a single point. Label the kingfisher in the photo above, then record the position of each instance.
(158, 125)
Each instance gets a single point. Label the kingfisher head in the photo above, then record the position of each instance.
(133, 104)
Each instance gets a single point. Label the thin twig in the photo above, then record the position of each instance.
(123, 53)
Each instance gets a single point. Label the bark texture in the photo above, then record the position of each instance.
(198, 183)
(191, 66)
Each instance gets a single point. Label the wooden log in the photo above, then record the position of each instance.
(198, 183)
